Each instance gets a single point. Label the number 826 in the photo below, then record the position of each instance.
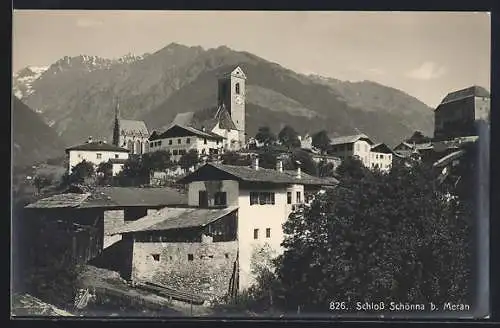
(338, 305)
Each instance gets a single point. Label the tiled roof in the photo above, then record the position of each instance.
(475, 91)
(136, 127)
(97, 146)
(175, 218)
(249, 174)
(69, 200)
(114, 197)
(349, 139)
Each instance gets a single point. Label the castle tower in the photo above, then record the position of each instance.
(116, 127)
(231, 93)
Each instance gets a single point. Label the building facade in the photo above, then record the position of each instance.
(352, 146)
(97, 152)
(381, 157)
(232, 212)
(458, 113)
(179, 140)
(130, 134)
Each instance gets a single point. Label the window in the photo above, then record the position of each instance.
(156, 257)
(202, 198)
(349, 147)
(220, 198)
(226, 255)
(255, 233)
(182, 151)
(175, 152)
(217, 142)
(151, 144)
(237, 88)
(268, 232)
(170, 142)
(179, 141)
(205, 141)
(159, 143)
(116, 155)
(289, 197)
(188, 140)
(261, 198)
(79, 155)
(190, 257)
(381, 156)
(298, 197)
(99, 156)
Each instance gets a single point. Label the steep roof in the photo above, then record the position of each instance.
(111, 197)
(97, 146)
(249, 174)
(135, 127)
(175, 218)
(224, 119)
(235, 70)
(473, 91)
(174, 130)
(349, 139)
(381, 148)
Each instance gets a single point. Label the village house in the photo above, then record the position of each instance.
(85, 218)
(458, 113)
(97, 152)
(358, 145)
(231, 212)
(130, 134)
(179, 140)
(381, 157)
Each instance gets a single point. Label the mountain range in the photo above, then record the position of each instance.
(76, 96)
(33, 140)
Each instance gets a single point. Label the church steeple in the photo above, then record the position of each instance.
(116, 127)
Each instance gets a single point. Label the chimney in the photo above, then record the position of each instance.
(255, 163)
(89, 139)
(299, 172)
(279, 166)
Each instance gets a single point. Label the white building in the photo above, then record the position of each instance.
(264, 199)
(179, 140)
(358, 145)
(381, 157)
(97, 152)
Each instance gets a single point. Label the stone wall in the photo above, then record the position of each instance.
(204, 268)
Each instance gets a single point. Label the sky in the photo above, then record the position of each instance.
(425, 54)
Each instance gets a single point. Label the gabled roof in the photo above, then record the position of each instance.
(422, 146)
(97, 146)
(381, 148)
(223, 118)
(177, 130)
(171, 218)
(132, 126)
(249, 174)
(349, 139)
(473, 91)
(235, 71)
(114, 197)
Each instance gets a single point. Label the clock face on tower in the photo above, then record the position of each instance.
(239, 100)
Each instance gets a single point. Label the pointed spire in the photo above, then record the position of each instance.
(117, 109)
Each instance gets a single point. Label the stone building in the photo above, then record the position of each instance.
(458, 113)
(130, 134)
(232, 211)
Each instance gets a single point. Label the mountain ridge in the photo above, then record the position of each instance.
(179, 78)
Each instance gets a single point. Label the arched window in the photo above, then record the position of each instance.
(146, 146)
(130, 146)
(237, 88)
(138, 147)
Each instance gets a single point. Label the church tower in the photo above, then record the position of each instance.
(231, 94)
(116, 127)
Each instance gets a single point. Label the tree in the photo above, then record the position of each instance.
(307, 164)
(418, 137)
(321, 141)
(390, 237)
(105, 173)
(265, 136)
(189, 159)
(81, 172)
(157, 161)
(325, 169)
(234, 158)
(289, 137)
(134, 172)
(352, 167)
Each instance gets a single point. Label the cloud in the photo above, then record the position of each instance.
(88, 22)
(427, 71)
(377, 71)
